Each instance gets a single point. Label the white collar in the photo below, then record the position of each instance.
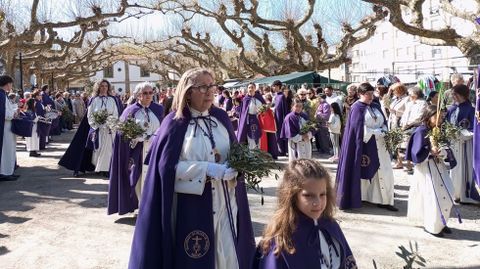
(196, 113)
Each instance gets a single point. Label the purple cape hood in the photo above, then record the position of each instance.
(126, 166)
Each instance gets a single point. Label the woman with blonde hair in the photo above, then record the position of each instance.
(303, 232)
(194, 211)
(91, 147)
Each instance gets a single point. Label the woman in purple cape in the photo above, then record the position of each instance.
(462, 114)
(127, 181)
(194, 211)
(303, 232)
(364, 169)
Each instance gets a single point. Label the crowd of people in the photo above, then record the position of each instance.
(193, 210)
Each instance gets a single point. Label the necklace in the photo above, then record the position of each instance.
(147, 117)
(207, 120)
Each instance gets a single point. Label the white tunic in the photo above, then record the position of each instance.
(430, 195)
(296, 145)
(397, 107)
(328, 251)
(9, 149)
(190, 178)
(101, 156)
(153, 123)
(462, 174)
(33, 142)
(253, 108)
(380, 189)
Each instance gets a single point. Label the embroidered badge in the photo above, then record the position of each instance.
(464, 124)
(253, 127)
(365, 161)
(196, 244)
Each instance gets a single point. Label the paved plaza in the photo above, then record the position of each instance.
(49, 219)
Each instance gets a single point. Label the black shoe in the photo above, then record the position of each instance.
(447, 230)
(75, 173)
(8, 178)
(388, 207)
(440, 234)
(34, 154)
(106, 174)
(15, 176)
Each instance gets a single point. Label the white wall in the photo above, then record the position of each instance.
(118, 80)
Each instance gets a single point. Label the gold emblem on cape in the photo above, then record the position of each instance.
(196, 244)
(464, 124)
(365, 161)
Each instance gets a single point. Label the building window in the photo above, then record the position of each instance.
(399, 52)
(386, 70)
(108, 72)
(144, 72)
(385, 54)
(436, 53)
(384, 36)
(408, 51)
(435, 10)
(355, 66)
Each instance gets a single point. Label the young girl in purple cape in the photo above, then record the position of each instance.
(299, 145)
(430, 199)
(462, 115)
(303, 232)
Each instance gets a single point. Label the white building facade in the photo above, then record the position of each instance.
(124, 76)
(391, 51)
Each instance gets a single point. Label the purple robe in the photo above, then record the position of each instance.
(54, 128)
(476, 145)
(228, 104)
(43, 129)
(247, 122)
(78, 156)
(466, 120)
(291, 125)
(357, 160)
(154, 245)
(281, 111)
(419, 147)
(305, 239)
(126, 166)
(3, 98)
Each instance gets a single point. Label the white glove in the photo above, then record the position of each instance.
(230, 174)
(216, 171)
(378, 133)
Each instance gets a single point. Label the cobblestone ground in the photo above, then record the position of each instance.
(49, 219)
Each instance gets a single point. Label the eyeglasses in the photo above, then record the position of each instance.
(205, 88)
(147, 93)
(302, 94)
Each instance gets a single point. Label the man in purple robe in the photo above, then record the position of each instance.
(122, 198)
(281, 111)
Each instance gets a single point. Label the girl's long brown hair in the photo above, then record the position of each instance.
(284, 220)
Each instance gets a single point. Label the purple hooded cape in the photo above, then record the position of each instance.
(43, 129)
(291, 125)
(307, 247)
(243, 126)
(3, 98)
(78, 156)
(54, 128)
(476, 144)
(126, 166)
(466, 120)
(358, 160)
(154, 245)
(281, 111)
(418, 148)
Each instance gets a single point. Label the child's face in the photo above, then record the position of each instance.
(312, 199)
(297, 108)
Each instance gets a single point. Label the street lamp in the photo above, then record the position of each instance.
(21, 71)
